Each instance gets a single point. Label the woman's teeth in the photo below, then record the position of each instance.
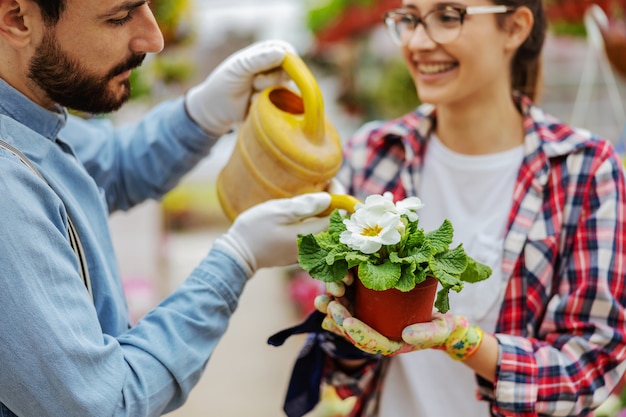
(434, 68)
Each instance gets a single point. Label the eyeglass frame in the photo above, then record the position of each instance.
(462, 11)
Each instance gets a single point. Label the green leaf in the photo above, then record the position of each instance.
(355, 258)
(336, 226)
(310, 253)
(334, 255)
(441, 238)
(475, 271)
(444, 277)
(407, 279)
(422, 254)
(420, 276)
(397, 259)
(325, 240)
(329, 273)
(379, 277)
(415, 237)
(442, 303)
(453, 262)
(415, 257)
(313, 258)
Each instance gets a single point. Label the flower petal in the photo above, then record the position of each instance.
(409, 207)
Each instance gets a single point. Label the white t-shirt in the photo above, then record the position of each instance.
(475, 193)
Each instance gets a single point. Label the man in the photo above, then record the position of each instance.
(67, 348)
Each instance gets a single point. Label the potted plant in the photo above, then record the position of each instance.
(391, 256)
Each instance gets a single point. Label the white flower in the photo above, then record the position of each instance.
(409, 207)
(373, 224)
(378, 203)
(378, 221)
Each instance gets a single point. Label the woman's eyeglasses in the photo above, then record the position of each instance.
(441, 25)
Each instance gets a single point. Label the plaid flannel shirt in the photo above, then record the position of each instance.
(561, 328)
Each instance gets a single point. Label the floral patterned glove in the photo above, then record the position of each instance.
(452, 334)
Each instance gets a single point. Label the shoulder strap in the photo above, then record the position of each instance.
(73, 235)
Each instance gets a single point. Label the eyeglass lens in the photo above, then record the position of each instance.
(442, 26)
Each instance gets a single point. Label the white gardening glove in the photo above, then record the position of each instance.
(223, 98)
(266, 235)
(337, 288)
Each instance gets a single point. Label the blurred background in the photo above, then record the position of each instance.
(362, 78)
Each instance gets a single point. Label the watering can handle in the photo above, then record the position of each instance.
(311, 96)
(341, 202)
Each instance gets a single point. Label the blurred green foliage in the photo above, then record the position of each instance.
(383, 90)
(139, 85)
(172, 17)
(563, 27)
(320, 15)
(395, 94)
(162, 70)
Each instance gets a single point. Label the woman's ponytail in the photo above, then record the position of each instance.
(526, 68)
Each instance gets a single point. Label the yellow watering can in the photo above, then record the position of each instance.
(285, 147)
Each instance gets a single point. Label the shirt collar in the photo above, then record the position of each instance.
(412, 130)
(20, 108)
(544, 133)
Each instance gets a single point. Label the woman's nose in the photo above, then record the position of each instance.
(420, 39)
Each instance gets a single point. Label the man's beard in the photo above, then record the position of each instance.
(66, 81)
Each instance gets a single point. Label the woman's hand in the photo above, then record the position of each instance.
(447, 332)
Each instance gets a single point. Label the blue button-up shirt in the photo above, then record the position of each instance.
(62, 353)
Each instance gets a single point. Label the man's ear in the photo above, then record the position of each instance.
(16, 20)
(519, 25)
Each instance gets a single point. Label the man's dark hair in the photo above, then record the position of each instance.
(51, 10)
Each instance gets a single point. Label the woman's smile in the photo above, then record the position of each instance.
(429, 68)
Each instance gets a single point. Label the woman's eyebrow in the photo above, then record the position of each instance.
(436, 6)
(409, 7)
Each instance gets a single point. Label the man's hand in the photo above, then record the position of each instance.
(266, 235)
(224, 97)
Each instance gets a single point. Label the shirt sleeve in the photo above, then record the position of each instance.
(139, 161)
(576, 357)
(56, 360)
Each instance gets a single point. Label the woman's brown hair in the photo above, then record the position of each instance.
(526, 68)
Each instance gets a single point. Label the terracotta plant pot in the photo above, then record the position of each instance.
(390, 311)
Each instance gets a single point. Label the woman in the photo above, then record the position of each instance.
(541, 203)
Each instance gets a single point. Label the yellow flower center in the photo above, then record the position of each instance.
(371, 231)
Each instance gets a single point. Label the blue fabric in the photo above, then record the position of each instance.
(620, 145)
(303, 392)
(62, 354)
